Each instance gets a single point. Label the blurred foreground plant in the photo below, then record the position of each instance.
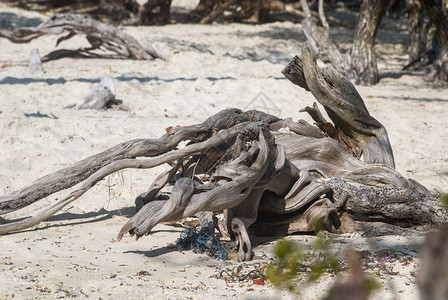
(290, 259)
(443, 198)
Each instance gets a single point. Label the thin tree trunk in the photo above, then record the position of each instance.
(363, 59)
(439, 18)
(217, 12)
(415, 42)
(323, 18)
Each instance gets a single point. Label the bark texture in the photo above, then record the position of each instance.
(361, 65)
(101, 96)
(110, 11)
(415, 23)
(438, 16)
(339, 175)
(98, 34)
(363, 59)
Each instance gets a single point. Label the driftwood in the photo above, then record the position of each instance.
(35, 64)
(98, 34)
(361, 64)
(109, 11)
(321, 44)
(356, 128)
(339, 174)
(101, 96)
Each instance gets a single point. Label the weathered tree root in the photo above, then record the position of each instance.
(98, 34)
(340, 176)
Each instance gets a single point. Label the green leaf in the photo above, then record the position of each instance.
(319, 226)
(319, 244)
(444, 200)
(372, 284)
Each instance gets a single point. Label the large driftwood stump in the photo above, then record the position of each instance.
(98, 34)
(337, 174)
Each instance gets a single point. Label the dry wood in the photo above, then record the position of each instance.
(35, 64)
(98, 34)
(235, 181)
(323, 18)
(340, 175)
(114, 11)
(68, 177)
(344, 107)
(103, 94)
(389, 201)
(321, 44)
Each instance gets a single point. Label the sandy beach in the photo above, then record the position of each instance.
(209, 68)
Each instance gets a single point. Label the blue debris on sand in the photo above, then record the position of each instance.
(202, 242)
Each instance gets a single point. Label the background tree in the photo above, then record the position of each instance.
(427, 23)
(435, 52)
(363, 58)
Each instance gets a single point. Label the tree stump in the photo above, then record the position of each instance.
(338, 175)
(103, 94)
(35, 64)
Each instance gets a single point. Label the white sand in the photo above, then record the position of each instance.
(210, 68)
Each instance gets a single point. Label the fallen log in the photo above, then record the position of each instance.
(98, 34)
(108, 11)
(340, 176)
